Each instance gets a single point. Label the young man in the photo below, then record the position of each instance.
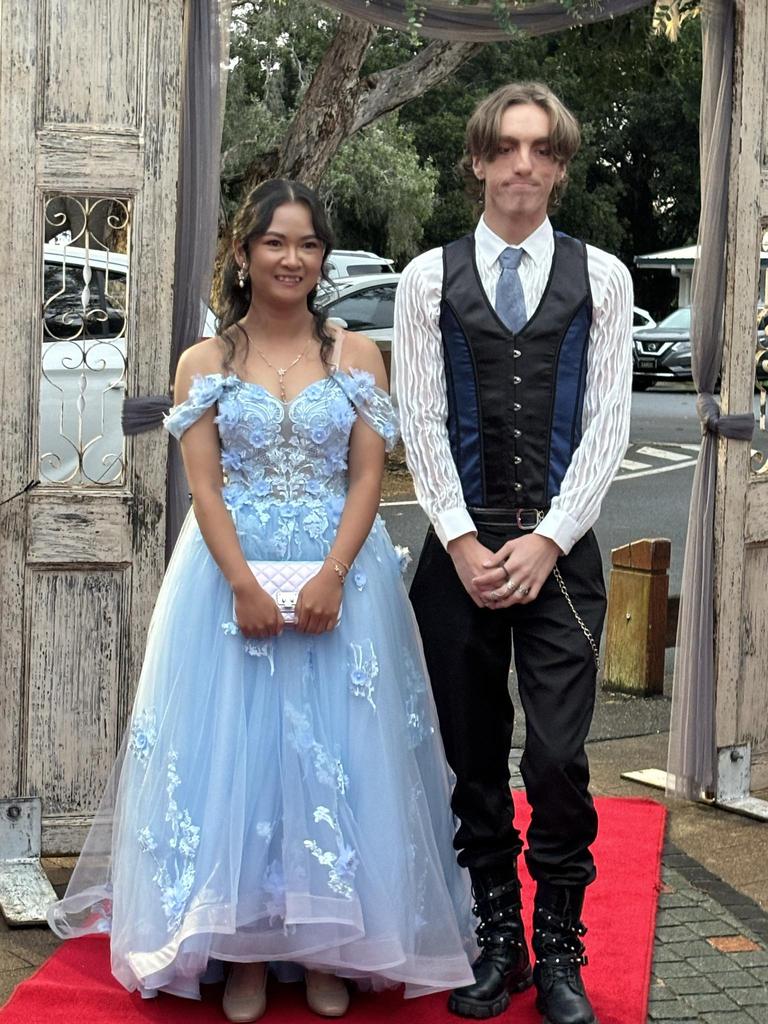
(512, 370)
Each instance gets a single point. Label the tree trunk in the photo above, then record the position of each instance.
(327, 112)
(338, 102)
(388, 90)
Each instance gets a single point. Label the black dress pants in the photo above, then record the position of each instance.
(468, 652)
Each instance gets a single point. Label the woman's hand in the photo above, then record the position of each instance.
(317, 610)
(256, 613)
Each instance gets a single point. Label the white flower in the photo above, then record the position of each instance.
(147, 841)
(403, 556)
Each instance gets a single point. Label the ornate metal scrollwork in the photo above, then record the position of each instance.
(759, 460)
(86, 278)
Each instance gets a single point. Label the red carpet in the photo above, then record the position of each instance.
(75, 984)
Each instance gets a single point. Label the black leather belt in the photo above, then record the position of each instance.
(522, 518)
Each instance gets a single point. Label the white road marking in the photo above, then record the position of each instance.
(662, 453)
(659, 469)
(629, 464)
(396, 504)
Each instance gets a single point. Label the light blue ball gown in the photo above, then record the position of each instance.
(283, 800)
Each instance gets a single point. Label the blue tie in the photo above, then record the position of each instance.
(510, 301)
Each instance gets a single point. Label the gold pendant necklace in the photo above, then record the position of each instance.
(279, 370)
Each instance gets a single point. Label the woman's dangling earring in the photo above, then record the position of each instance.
(241, 276)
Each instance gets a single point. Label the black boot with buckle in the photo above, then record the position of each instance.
(503, 966)
(557, 933)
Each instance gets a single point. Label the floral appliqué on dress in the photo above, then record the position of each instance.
(143, 735)
(342, 865)
(175, 872)
(363, 670)
(329, 771)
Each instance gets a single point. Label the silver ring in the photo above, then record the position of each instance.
(523, 590)
(509, 586)
(505, 570)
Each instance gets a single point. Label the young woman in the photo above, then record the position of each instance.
(282, 795)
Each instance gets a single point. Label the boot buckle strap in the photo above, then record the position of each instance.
(501, 890)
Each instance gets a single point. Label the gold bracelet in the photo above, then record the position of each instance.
(337, 559)
(337, 568)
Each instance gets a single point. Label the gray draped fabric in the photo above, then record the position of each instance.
(206, 33)
(477, 23)
(692, 753)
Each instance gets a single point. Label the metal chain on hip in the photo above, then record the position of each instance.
(582, 624)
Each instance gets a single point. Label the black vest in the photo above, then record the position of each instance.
(515, 401)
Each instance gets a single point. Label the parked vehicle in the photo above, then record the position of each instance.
(343, 263)
(366, 304)
(641, 318)
(663, 352)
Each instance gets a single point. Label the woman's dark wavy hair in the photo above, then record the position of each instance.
(252, 220)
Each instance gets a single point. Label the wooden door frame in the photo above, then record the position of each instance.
(741, 503)
(138, 158)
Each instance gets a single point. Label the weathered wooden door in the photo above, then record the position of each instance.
(741, 520)
(89, 128)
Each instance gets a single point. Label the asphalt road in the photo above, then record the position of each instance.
(648, 498)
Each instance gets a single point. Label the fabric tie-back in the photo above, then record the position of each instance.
(206, 41)
(692, 744)
(478, 23)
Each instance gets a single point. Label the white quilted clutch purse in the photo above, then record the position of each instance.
(283, 582)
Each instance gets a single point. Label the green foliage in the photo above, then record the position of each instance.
(379, 193)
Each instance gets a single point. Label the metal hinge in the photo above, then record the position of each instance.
(25, 892)
(734, 776)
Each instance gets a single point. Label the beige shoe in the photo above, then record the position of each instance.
(245, 997)
(326, 994)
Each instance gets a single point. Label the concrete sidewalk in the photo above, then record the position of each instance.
(711, 947)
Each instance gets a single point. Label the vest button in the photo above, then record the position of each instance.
(516, 353)
(518, 486)
(518, 460)
(517, 380)
(517, 407)
(517, 433)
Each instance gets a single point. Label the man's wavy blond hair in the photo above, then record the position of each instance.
(484, 131)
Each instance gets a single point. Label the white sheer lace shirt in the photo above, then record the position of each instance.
(418, 383)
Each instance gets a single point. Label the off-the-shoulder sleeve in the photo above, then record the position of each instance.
(372, 404)
(203, 392)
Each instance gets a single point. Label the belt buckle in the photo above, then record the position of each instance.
(528, 511)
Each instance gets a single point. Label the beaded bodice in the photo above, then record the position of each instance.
(275, 452)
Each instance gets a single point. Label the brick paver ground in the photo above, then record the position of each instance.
(695, 978)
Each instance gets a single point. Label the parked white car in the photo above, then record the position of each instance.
(343, 263)
(365, 304)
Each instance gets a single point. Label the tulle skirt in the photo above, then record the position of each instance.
(285, 800)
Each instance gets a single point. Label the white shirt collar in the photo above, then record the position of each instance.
(489, 246)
